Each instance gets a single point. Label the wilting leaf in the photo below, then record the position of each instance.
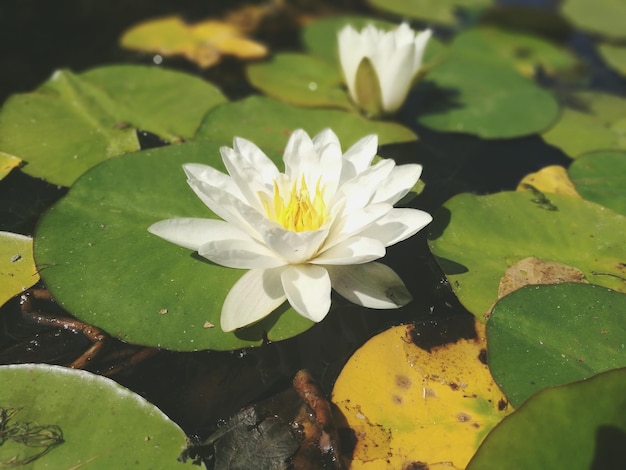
(540, 336)
(408, 405)
(589, 121)
(601, 177)
(550, 179)
(17, 268)
(202, 43)
(577, 426)
(7, 163)
(101, 424)
(476, 238)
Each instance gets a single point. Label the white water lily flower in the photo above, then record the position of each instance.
(319, 224)
(380, 67)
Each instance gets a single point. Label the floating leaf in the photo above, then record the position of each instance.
(302, 80)
(524, 52)
(100, 423)
(73, 122)
(104, 267)
(476, 238)
(615, 56)
(17, 267)
(439, 11)
(577, 426)
(589, 121)
(7, 163)
(202, 43)
(601, 177)
(266, 122)
(604, 17)
(406, 404)
(550, 179)
(473, 91)
(541, 336)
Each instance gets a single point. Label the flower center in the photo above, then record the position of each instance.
(300, 211)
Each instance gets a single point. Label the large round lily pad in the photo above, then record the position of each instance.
(73, 121)
(541, 336)
(601, 177)
(101, 264)
(52, 417)
(579, 426)
(476, 238)
(266, 122)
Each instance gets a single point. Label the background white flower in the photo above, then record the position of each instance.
(380, 67)
(319, 224)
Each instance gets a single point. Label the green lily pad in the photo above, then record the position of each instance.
(73, 122)
(579, 426)
(605, 17)
(302, 80)
(541, 336)
(601, 177)
(67, 418)
(589, 121)
(103, 266)
(17, 268)
(438, 11)
(615, 56)
(477, 89)
(266, 122)
(524, 52)
(476, 238)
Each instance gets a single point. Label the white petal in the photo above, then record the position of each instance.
(372, 285)
(209, 175)
(399, 182)
(191, 232)
(397, 225)
(247, 177)
(324, 138)
(240, 254)
(421, 41)
(359, 157)
(355, 250)
(256, 157)
(294, 247)
(350, 55)
(350, 223)
(395, 73)
(359, 190)
(308, 290)
(254, 296)
(299, 155)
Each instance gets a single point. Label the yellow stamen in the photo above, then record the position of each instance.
(300, 212)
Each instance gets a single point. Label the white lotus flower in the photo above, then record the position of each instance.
(380, 67)
(319, 224)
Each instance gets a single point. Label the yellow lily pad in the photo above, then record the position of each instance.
(551, 179)
(409, 405)
(203, 43)
(7, 163)
(17, 267)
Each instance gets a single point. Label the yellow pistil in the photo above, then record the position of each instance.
(300, 212)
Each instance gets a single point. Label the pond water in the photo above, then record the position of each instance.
(199, 390)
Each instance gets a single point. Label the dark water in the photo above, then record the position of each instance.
(198, 389)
